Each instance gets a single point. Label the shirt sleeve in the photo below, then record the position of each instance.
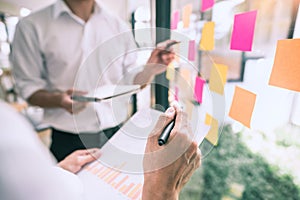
(27, 171)
(130, 64)
(27, 60)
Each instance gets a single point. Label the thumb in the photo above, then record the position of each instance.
(162, 122)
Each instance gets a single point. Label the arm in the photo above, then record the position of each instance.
(156, 64)
(30, 73)
(168, 168)
(46, 99)
(76, 160)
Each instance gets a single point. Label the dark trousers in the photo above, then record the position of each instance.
(64, 143)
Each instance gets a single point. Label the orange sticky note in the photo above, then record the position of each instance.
(207, 42)
(213, 133)
(242, 106)
(218, 77)
(286, 68)
(186, 13)
(184, 77)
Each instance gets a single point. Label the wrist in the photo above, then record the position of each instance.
(158, 191)
(148, 72)
(58, 98)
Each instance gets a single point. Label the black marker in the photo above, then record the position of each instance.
(168, 46)
(163, 138)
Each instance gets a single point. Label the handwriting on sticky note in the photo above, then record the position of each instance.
(207, 41)
(242, 106)
(243, 31)
(175, 19)
(206, 4)
(213, 133)
(186, 14)
(192, 50)
(286, 70)
(218, 77)
(198, 90)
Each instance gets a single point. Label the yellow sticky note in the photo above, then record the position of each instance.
(207, 42)
(208, 119)
(286, 70)
(218, 78)
(242, 106)
(186, 14)
(170, 74)
(213, 133)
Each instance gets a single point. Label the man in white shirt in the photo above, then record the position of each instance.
(48, 49)
(28, 171)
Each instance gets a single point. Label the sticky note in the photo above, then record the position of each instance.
(198, 90)
(208, 119)
(170, 74)
(192, 51)
(185, 73)
(243, 31)
(184, 78)
(213, 133)
(286, 67)
(176, 97)
(186, 14)
(189, 107)
(242, 106)
(175, 19)
(218, 77)
(207, 41)
(206, 4)
(176, 49)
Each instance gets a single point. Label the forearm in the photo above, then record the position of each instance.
(143, 77)
(46, 99)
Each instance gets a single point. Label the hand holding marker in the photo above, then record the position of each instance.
(164, 136)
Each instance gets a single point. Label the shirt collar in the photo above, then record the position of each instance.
(61, 7)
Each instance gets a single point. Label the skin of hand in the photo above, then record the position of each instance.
(69, 104)
(160, 58)
(76, 160)
(166, 181)
(57, 99)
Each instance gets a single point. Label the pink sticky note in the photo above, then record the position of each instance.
(206, 4)
(176, 93)
(243, 31)
(198, 90)
(192, 51)
(175, 19)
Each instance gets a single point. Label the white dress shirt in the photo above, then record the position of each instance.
(53, 49)
(27, 169)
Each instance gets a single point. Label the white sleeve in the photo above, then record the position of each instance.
(26, 170)
(27, 59)
(130, 65)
